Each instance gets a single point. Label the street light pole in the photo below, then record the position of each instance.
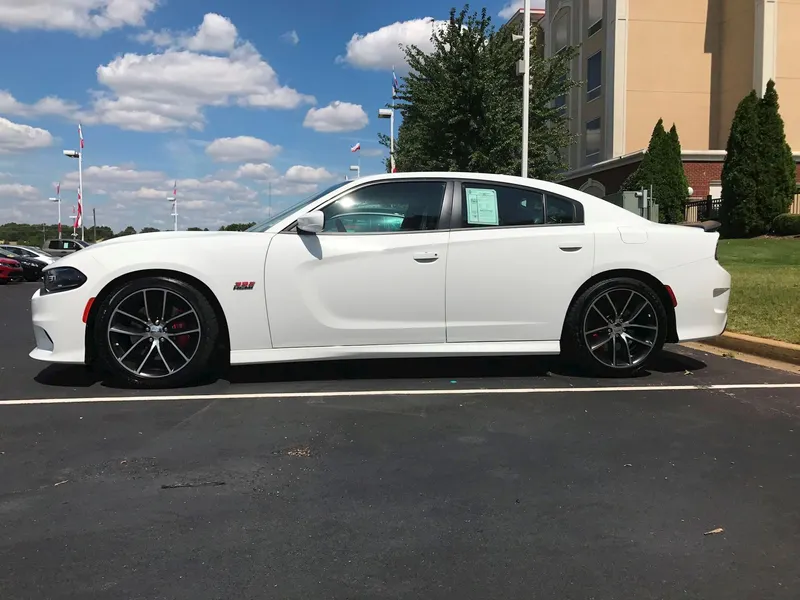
(57, 199)
(357, 169)
(388, 113)
(526, 83)
(174, 200)
(79, 155)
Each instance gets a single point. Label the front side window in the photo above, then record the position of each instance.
(594, 76)
(394, 207)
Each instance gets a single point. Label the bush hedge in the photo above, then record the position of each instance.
(786, 225)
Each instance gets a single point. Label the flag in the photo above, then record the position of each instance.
(79, 215)
(395, 85)
(80, 134)
(356, 148)
(58, 189)
(175, 189)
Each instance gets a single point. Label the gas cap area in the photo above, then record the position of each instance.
(632, 235)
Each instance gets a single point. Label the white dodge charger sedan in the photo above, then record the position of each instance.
(394, 265)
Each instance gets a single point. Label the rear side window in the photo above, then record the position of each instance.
(54, 245)
(492, 205)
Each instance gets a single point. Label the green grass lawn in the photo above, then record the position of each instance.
(765, 291)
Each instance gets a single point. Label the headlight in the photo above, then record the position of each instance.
(29, 264)
(61, 279)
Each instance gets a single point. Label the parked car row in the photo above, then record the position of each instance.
(22, 263)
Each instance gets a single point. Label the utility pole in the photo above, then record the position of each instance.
(94, 224)
(526, 83)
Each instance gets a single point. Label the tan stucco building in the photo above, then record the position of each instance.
(687, 61)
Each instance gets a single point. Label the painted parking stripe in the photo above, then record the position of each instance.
(436, 392)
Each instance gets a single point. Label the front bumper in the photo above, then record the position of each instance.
(58, 327)
(703, 290)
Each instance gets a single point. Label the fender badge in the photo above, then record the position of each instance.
(244, 285)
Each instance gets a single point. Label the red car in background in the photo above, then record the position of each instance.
(10, 270)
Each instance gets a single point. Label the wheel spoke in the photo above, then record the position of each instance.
(147, 356)
(130, 316)
(603, 342)
(613, 350)
(136, 343)
(624, 339)
(183, 314)
(127, 331)
(174, 345)
(177, 333)
(613, 307)
(164, 307)
(638, 341)
(164, 360)
(637, 313)
(597, 310)
(624, 308)
(146, 309)
(603, 328)
(652, 328)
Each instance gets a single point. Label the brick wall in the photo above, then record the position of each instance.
(700, 174)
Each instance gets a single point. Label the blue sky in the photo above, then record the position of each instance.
(230, 99)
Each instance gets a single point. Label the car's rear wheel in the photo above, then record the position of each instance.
(615, 327)
(156, 332)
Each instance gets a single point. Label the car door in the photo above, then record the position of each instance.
(56, 247)
(359, 282)
(516, 258)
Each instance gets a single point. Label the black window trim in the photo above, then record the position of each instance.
(444, 215)
(455, 217)
(597, 25)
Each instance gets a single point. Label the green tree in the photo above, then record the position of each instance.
(739, 213)
(662, 168)
(129, 230)
(149, 230)
(237, 227)
(777, 184)
(461, 104)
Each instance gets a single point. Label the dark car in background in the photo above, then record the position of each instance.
(10, 270)
(31, 268)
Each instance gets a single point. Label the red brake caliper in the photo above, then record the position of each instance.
(181, 340)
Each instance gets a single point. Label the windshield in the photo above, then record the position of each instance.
(264, 225)
(39, 252)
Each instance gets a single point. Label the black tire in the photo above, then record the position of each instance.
(575, 344)
(194, 370)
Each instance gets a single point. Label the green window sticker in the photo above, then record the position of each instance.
(481, 206)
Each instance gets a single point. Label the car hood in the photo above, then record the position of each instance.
(162, 236)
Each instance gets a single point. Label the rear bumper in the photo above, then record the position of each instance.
(703, 290)
(58, 327)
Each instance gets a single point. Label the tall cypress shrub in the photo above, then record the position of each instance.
(662, 168)
(778, 178)
(740, 213)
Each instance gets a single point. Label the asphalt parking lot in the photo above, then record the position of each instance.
(503, 478)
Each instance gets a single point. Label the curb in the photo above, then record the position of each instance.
(748, 344)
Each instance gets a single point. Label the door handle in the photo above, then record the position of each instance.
(570, 246)
(426, 257)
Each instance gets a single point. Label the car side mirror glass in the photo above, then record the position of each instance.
(312, 222)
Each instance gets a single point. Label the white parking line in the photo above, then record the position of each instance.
(437, 392)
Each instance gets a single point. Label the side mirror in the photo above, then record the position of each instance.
(312, 222)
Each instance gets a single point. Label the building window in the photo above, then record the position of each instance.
(592, 140)
(594, 76)
(594, 16)
(561, 32)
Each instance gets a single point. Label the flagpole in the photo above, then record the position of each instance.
(391, 121)
(80, 198)
(57, 200)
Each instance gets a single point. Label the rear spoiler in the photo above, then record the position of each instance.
(707, 226)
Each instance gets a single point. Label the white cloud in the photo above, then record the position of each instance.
(336, 117)
(169, 90)
(216, 34)
(511, 8)
(304, 174)
(18, 191)
(291, 37)
(261, 171)
(15, 137)
(84, 17)
(107, 175)
(50, 105)
(241, 149)
(383, 48)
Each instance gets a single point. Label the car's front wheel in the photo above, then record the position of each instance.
(156, 332)
(615, 327)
